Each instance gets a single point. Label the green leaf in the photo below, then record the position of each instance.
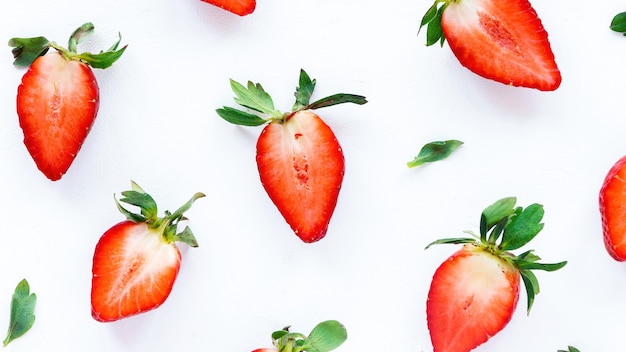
(499, 210)
(569, 349)
(337, 99)
(532, 287)
(326, 336)
(432, 21)
(22, 312)
(304, 91)
(531, 265)
(254, 97)
(239, 117)
(435, 151)
(26, 50)
(523, 227)
(144, 201)
(618, 24)
(187, 237)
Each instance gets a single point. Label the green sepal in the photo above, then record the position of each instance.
(432, 21)
(238, 117)
(80, 34)
(618, 24)
(570, 349)
(434, 151)
(523, 227)
(304, 91)
(497, 231)
(532, 287)
(340, 98)
(26, 50)
(168, 224)
(326, 336)
(456, 240)
(254, 97)
(22, 312)
(494, 213)
(278, 334)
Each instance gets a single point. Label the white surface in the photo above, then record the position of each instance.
(251, 275)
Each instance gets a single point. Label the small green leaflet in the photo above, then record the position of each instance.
(434, 151)
(432, 21)
(618, 24)
(22, 309)
(326, 336)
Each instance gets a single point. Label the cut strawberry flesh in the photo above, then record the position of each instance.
(57, 103)
(239, 7)
(133, 271)
(501, 40)
(613, 210)
(301, 166)
(472, 296)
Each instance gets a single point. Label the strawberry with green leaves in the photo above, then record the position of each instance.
(58, 98)
(474, 293)
(612, 201)
(238, 7)
(325, 337)
(136, 261)
(502, 40)
(300, 161)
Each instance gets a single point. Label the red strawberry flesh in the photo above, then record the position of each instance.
(472, 296)
(502, 40)
(133, 271)
(613, 210)
(57, 103)
(301, 166)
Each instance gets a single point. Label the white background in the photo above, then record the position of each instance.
(251, 275)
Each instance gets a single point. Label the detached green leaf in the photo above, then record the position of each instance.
(569, 349)
(26, 50)
(523, 227)
(434, 151)
(326, 336)
(254, 97)
(304, 91)
(618, 24)
(22, 312)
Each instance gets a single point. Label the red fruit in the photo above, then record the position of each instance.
(301, 166)
(474, 293)
(58, 98)
(300, 162)
(613, 210)
(479, 291)
(136, 261)
(265, 350)
(239, 7)
(503, 40)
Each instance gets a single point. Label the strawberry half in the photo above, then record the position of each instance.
(136, 262)
(613, 210)
(502, 40)
(58, 98)
(474, 293)
(300, 161)
(239, 7)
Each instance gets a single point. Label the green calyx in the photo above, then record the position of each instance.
(505, 227)
(432, 21)
(167, 225)
(254, 97)
(325, 336)
(26, 50)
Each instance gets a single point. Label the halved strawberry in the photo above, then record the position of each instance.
(58, 99)
(300, 161)
(613, 210)
(239, 7)
(474, 293)
(502, 40)
(136, 261)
